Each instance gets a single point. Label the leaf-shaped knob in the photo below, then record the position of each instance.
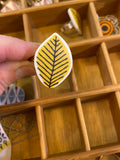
(53, 61)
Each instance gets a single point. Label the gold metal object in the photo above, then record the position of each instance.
(74, 25)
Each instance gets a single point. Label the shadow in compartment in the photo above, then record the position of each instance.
(21, 128)
(114, 53)
(62, 128)
(90, 67)
(102, 117)
(12, 26)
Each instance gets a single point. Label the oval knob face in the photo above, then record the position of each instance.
(13, 94)
(75, 19)
(109, 25)
(53, 61)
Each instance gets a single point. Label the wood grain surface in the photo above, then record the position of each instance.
(80, 118)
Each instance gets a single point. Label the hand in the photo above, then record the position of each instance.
(14, 56)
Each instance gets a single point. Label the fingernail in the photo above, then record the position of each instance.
(32, 49)
(24, 71)
(34, 45)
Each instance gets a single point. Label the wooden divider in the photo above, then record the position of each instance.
(38, 108)
(108, 63)
(94, 19)
(85, 95)
(80, 112)
(40, 123)
(108, 76)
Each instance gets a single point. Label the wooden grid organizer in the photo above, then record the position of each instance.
(80, 119)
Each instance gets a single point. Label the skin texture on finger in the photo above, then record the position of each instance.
(14, 49)
(14, 54)
(12, 71)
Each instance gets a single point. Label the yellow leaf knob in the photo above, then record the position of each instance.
(53, 61)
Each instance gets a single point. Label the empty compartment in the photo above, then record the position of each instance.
(46, 21)
(63, 129)
(114, 53)
(106, 8)
(12, 26)
(90, 67)
(22, 131)
(102, 118)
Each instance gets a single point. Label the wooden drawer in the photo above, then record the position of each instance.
(80, 118)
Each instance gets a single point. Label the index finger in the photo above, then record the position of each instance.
(16, 49)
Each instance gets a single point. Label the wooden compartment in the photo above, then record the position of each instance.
(12, 25)
(89, 69)
(50, 19)
(63, 131)
(80, 118)
(23, 133)
(87, 63)
(108, 8)
(114, 53)
(100, 119)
